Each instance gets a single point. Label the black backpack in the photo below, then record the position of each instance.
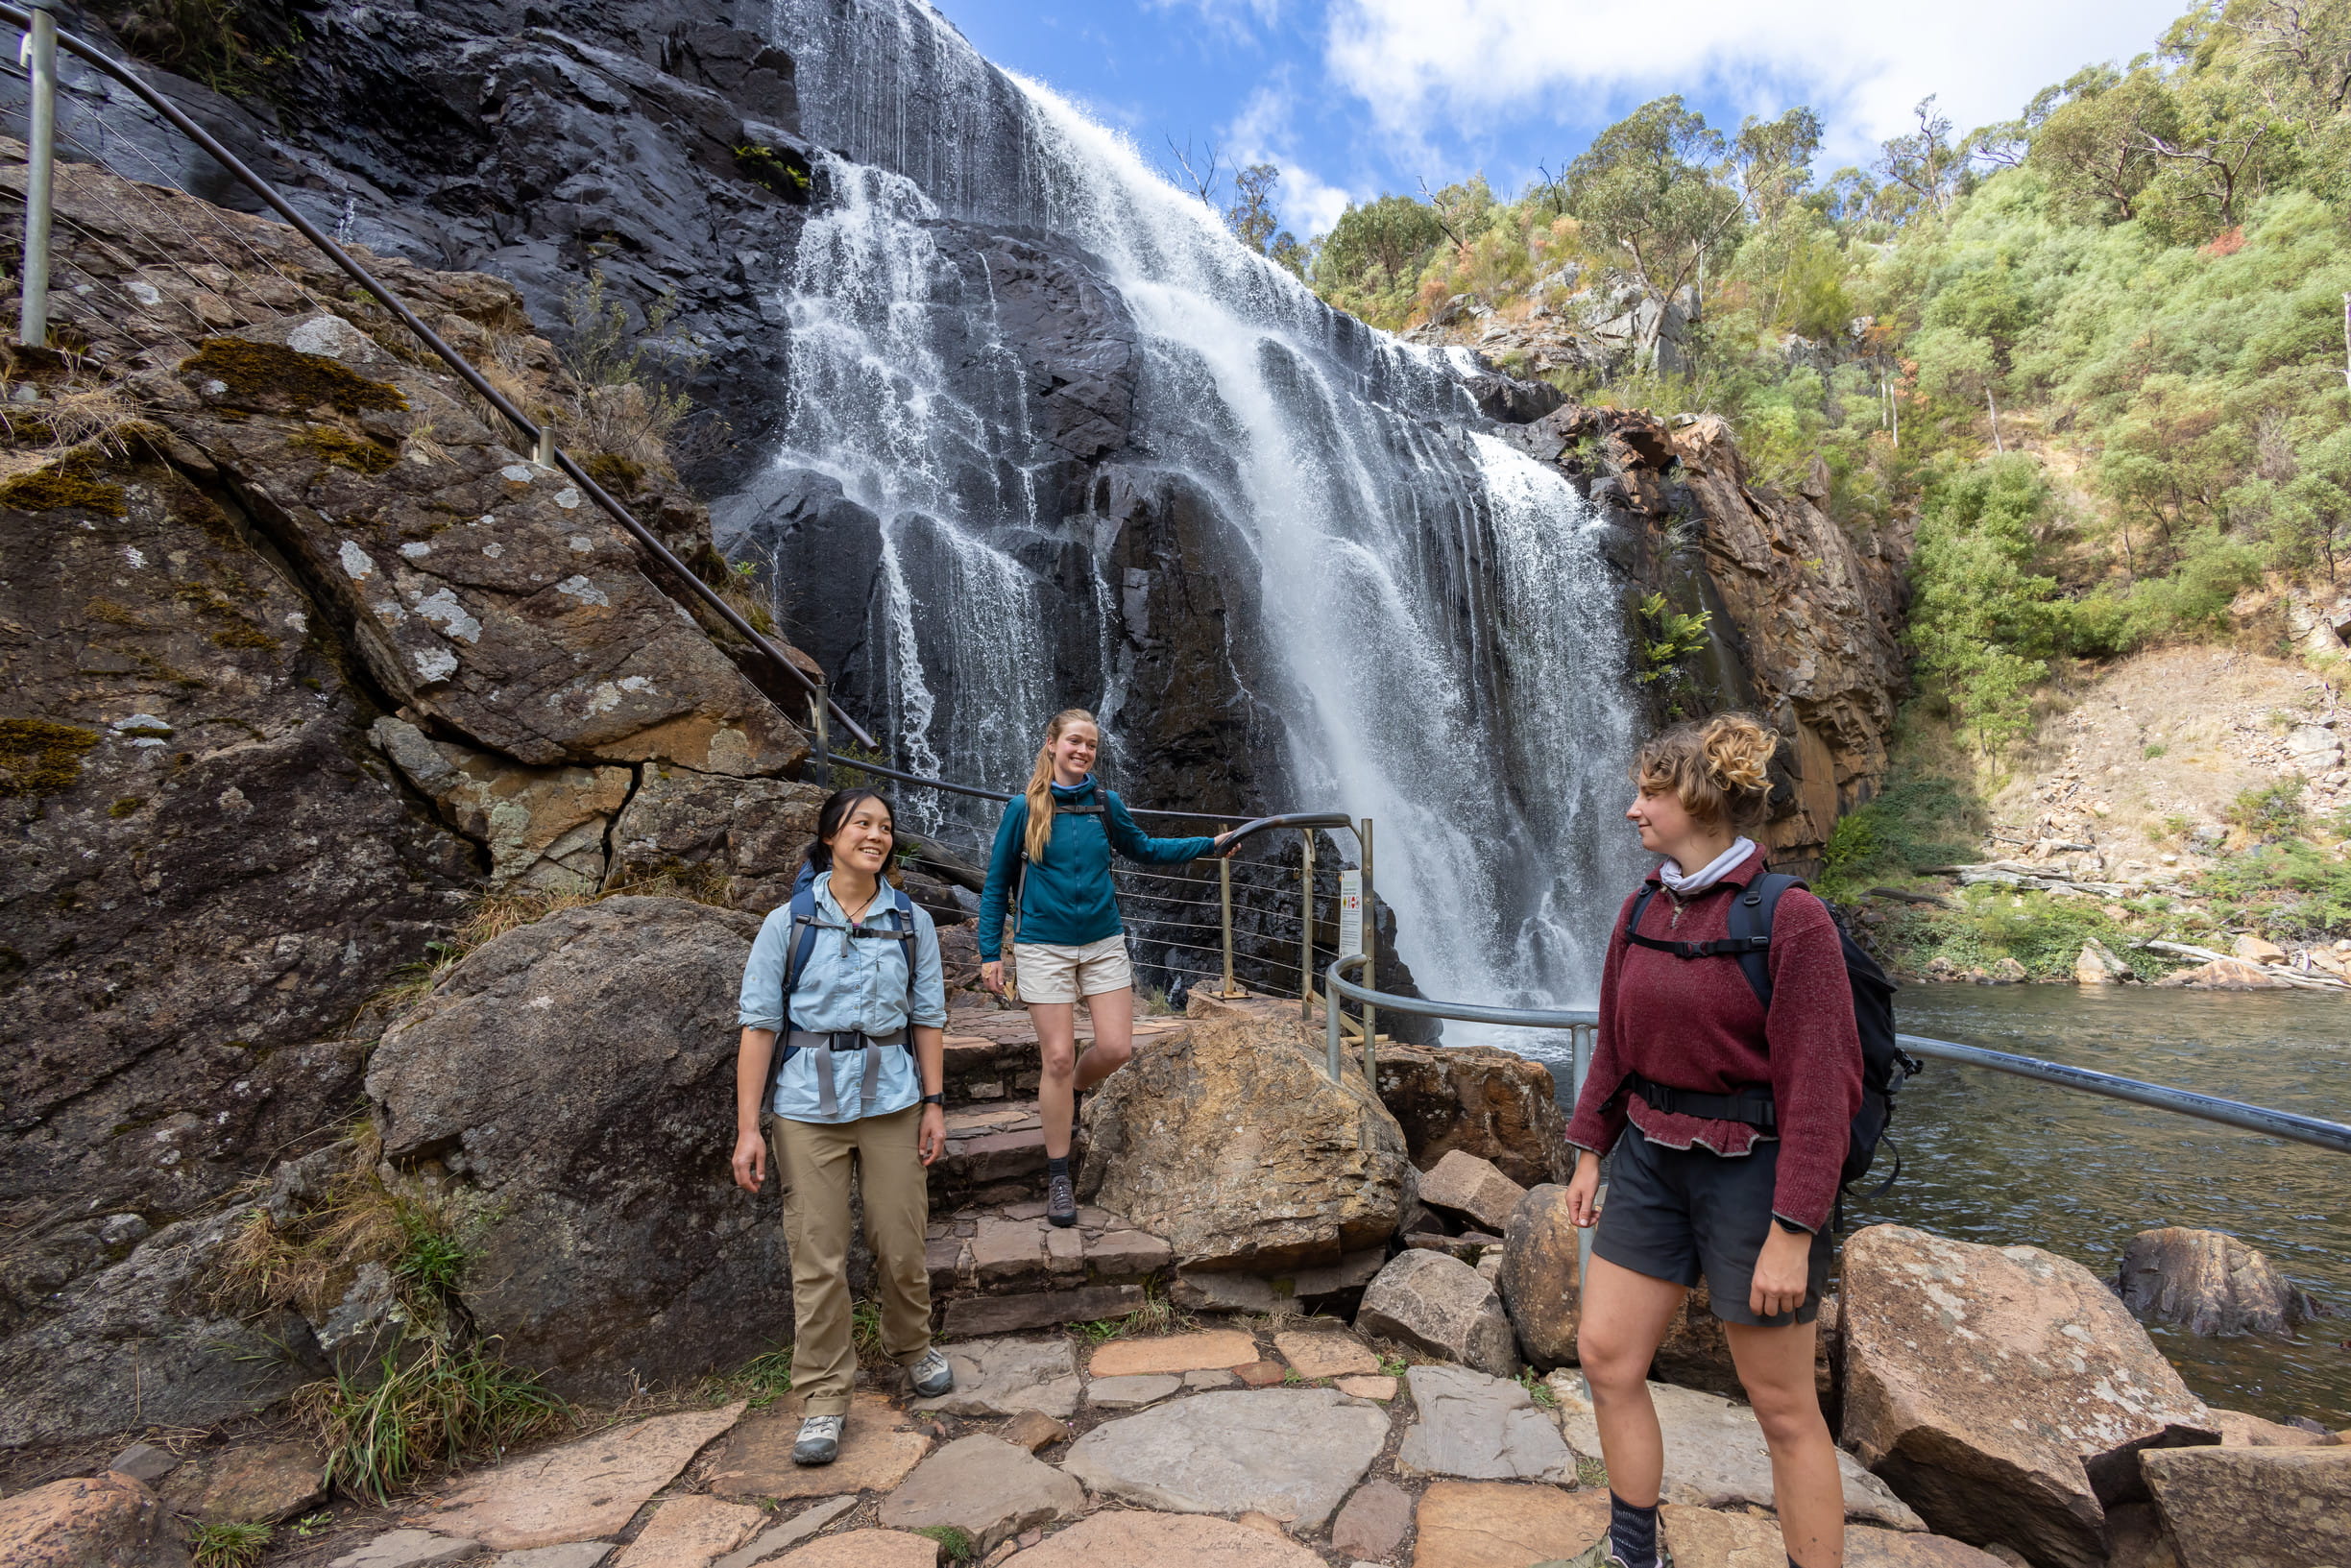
(1884, 1065)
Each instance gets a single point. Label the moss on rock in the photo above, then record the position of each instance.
(72, 482)
(273, 375)
(355, 452)
(40, 756)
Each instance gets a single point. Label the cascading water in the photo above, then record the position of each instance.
(1439, 642)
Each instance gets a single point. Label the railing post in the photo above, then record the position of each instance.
(1225, 898)
(1370, 946)
(542, 452)
(1331, 1039)
(823, 768)
(41, 160)
(1583, 1036)
(1306, 897)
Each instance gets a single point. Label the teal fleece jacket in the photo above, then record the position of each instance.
(1067, 899)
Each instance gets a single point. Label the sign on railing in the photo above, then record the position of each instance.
(1350, 913)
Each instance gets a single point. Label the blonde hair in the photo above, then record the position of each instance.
(1719, 769)
(1040, 781)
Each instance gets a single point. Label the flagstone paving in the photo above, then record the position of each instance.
(582, 1491)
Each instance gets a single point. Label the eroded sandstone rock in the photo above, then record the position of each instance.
(1540, 1283)
(1941, 1336)
(2254, 1508)
(1227, 1140)
(106, 1519)
(1480, 1101)
(565, 1076)
(1472, 1188)
(1446, 1307)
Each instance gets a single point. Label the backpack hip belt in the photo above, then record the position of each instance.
(825, 1044)
(1752, 1105)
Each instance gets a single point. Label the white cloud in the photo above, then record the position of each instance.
(1261, 133)
(1864, 63)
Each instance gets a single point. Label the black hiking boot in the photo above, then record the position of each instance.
(1060, 1202)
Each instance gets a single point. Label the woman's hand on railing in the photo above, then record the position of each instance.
(1222, 847)
(1583, 1189)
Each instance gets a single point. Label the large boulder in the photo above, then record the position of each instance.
(2206, 1282)
(2003, 1391)
(1443, 1306)
(574, 1081)
(1229, 1141)
(2254, 1508)
(747, 835)
(1470, 1188)
(1481, 1100)
(1540, 1281)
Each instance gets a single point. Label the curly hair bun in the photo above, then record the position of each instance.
(1739, 754)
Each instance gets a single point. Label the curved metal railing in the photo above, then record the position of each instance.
(2294, 1127)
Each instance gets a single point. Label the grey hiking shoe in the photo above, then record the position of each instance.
(1060, 1202)
(820, 1441)
(931, 1376)
(1599, 1554)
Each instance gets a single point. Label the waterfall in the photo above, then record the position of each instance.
(1433, 632)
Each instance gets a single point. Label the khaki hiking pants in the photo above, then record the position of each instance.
(814, 1159)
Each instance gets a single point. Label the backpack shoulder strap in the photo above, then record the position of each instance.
(1751, 921)
(803, 943)
(1640, 906)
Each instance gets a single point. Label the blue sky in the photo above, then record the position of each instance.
(1356, 97)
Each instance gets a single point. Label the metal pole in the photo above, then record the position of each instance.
(1306, 896)
(40, 158)
(1370, 939)
(1585, 1043)
(1330, 1030)
(824, 746)
(1225, 898)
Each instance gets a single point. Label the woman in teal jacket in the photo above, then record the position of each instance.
(1052, 860)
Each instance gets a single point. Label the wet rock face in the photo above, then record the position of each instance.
(1939, 1335)
(573, 1079)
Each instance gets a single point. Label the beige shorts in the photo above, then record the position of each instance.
(1047, 972)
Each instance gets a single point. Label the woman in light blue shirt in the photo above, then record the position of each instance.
(848, 974)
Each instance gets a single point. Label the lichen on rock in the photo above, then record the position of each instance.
(271, 376)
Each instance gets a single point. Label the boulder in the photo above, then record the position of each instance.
(2254, 1508)
(2260, 949)
(2225, 975)
(985, 1486)
(1695, 1352)
(1480, 1428)
(1472, 1188)
(2097, 965)
(1940, 1336)
(2207, 1283)
(1443, 1306)
(570, 1077)
(1540, 1283)
(1481, 1100)
(1227, 1140)
(1290, 1453)
(102, 1521)
(544, 828)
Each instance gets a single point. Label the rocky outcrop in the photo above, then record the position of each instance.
(1480, 1101)
(1806, 616)
(1940, 1336)
(2207, 1283)
(1230, 1142)
(568, 1084)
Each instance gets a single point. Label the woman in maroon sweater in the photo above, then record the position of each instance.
(1690, 1198)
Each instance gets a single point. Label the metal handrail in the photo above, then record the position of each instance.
(2291, 1125)
(543, 449)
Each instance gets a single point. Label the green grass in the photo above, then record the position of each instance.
(955, 1544)
(1391, 1366)
(1536, 1389)
(1919, 819)
(1156, 1316)
(1590, 1473)
(228, 1546)
(438, 1408)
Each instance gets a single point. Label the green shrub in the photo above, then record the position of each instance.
(2271, 813)
(228, 1546)
(424, 1405)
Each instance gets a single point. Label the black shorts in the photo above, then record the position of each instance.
(1680, 1214)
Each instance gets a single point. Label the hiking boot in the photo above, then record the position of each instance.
(1060, 1202)
(820, 1441)
(1599, 1554)
(931, 1376)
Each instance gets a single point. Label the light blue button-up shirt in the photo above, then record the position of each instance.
(850, 983)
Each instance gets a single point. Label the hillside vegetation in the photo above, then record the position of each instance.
(2096, 356)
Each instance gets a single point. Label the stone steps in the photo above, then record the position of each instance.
(1000, 1266)
(992, 1053)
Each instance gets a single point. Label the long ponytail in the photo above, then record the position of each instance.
(1039, 794)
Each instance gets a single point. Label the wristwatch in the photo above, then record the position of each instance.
(939, 1100)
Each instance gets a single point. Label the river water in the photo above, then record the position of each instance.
(1996, 1159)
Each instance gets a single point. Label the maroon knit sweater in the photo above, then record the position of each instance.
(1695, 1023)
